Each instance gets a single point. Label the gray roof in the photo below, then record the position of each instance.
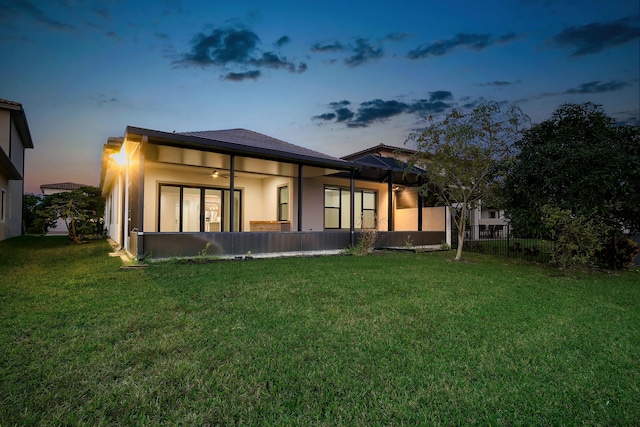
(376, 149)
(63, 186)
(256, 140)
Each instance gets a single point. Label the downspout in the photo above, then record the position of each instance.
(352, 207)
(143, 146)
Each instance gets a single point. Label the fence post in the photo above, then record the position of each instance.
(508, 240)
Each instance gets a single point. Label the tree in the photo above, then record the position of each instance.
(30, 203)
(580, 162)
(81, 210)
(464, 154)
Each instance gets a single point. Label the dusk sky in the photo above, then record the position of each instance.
(332, 76)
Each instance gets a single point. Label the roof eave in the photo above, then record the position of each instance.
(19, 117)
(7, 165)
(204, 144)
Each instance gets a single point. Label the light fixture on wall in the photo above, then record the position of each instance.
(120, 157)
(214, 174)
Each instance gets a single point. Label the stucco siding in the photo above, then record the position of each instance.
(5, 130)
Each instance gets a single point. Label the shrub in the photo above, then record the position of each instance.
(576, 239)
(366, 244)
(618, 253)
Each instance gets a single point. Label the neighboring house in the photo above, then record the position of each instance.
(15, 137)
(60, 228)
(234, 191)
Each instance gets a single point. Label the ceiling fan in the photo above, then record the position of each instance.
(215, 173)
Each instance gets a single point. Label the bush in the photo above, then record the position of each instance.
(618, 253)
(576, 239)
(366, 244)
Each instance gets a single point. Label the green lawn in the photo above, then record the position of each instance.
(386, 339)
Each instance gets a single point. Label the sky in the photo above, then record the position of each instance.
(333, 76)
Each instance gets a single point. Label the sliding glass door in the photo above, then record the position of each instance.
(196, 209)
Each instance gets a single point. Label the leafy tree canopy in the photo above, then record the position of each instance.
(579, 161)
(81, 210)
(464, 153)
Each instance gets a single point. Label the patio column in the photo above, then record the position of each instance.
(419, 204)
(390, 204)
(300, 197)
(352, 207)
(232, 191)
(125, 224)
(140, 242)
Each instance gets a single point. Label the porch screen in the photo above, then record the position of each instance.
(196, 209)
(337, 208)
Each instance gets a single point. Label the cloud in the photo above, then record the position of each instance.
(238, 77)
(15, 10)
(282, 41)
(594, 87)
(499, 83)
(597, 36)
(112, 35)
(378, 110)
(332, 47)
(471, 41)
(440, 95)
(102, 12)
(236, 47)
(222, 46)
(341, 112)
(363, 52)
(397, 37)
(106, 100)
(597, 87)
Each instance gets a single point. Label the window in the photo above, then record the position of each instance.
(3, 206)
(337, 208)
(283, 203)
(492, 214)
(195, 209)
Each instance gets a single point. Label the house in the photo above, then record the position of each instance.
(15, 137)
(60, 229)
(236, 191)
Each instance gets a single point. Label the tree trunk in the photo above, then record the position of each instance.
(461, 227)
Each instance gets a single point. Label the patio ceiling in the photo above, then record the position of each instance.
(207, 162)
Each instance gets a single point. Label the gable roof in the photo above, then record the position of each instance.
(378, 149)
(242, 142)
(20, 120)
(62, 186)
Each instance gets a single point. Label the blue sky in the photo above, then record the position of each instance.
(333, 76)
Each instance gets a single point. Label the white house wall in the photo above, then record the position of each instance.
(114, 210)
(12, 145)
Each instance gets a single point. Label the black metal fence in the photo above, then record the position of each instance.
(499, 240)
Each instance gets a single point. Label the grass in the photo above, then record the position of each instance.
(529, 249)
(385, 339)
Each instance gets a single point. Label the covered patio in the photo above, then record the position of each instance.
(235, 191)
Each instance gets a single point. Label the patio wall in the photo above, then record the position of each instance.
(169, 245)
